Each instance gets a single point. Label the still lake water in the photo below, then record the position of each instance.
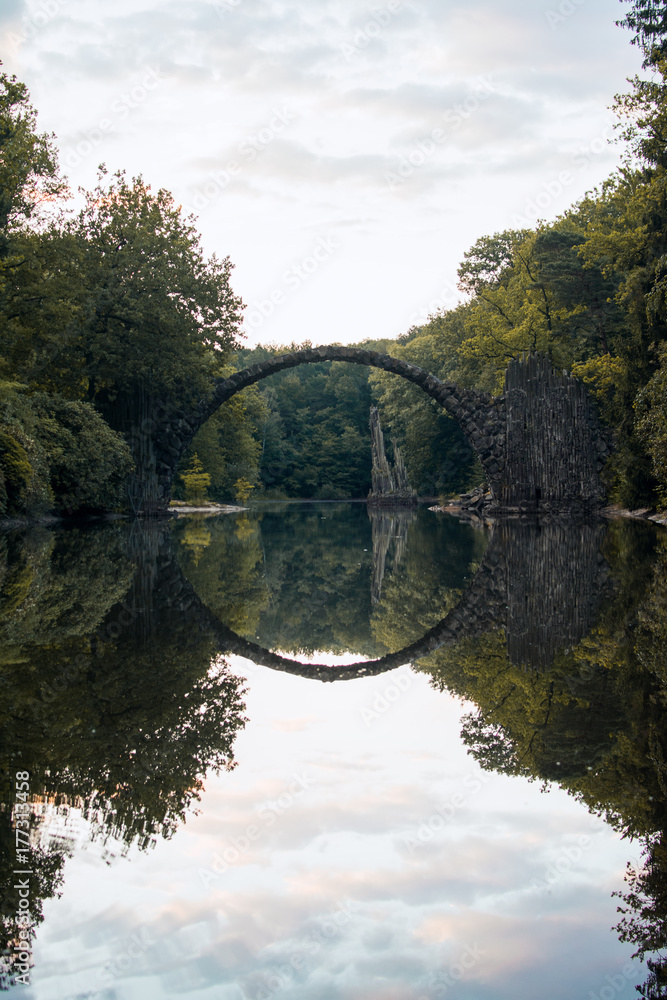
(309, 753)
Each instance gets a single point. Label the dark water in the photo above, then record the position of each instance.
(188, 810)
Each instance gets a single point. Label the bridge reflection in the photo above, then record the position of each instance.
(540, 583)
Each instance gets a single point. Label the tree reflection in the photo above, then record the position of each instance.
(304, 580)
(113, 702)
(594, 720)
(116, 700)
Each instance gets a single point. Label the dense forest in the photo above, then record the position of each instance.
(112, 310)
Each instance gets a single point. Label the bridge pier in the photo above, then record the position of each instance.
(555, 446)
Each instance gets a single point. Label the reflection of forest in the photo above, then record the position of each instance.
(103, 690)
(303, 579)
(109, 656)
(595, 720)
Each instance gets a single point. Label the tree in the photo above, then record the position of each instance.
(159, 316)
(313, 428)
(490, 261)
(648, 19)
(438, 458)
(88, 462)
(242, 490)
(157, 319)
(35, 306)
(57, 454)
(651, 407)
(229, 444)
(196, 482)
(28, 165)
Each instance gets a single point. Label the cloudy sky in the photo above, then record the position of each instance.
(344, 154)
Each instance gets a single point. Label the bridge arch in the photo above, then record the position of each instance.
(540, 444)
(480, 416)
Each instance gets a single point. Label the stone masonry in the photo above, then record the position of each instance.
(540, 444)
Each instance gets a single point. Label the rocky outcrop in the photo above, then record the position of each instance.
(389, 483)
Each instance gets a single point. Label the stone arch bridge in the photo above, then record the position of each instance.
(540, 444)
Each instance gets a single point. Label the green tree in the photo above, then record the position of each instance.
(196, 482)
(438, 458)
(242, 490)
(57, 454)
(229, 444)
(648, 19)
(155, 318)
(28, 164)
(160, 317)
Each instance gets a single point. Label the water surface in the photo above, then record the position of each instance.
(448, 814)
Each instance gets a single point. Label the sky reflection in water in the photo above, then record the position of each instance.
(358, 850)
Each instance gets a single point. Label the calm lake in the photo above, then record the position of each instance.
(312, 752)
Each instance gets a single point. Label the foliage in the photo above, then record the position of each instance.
(17, 474)
(196, 481)
(88, 462)
(58, 454)
(242, 490)
(28, 165)
(651, 407)
(301, 580)
(645, 900)
(115, 704)
(313, 430)
(648, 19)
(119, 307)
(23, 461)
(437, 456)
(159, 317)
(228, 445)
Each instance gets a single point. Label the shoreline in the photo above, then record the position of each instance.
(478, 506)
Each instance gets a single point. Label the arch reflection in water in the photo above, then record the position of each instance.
(111, 704)
(541, 584)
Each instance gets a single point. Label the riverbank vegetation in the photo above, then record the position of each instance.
(110, 312)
